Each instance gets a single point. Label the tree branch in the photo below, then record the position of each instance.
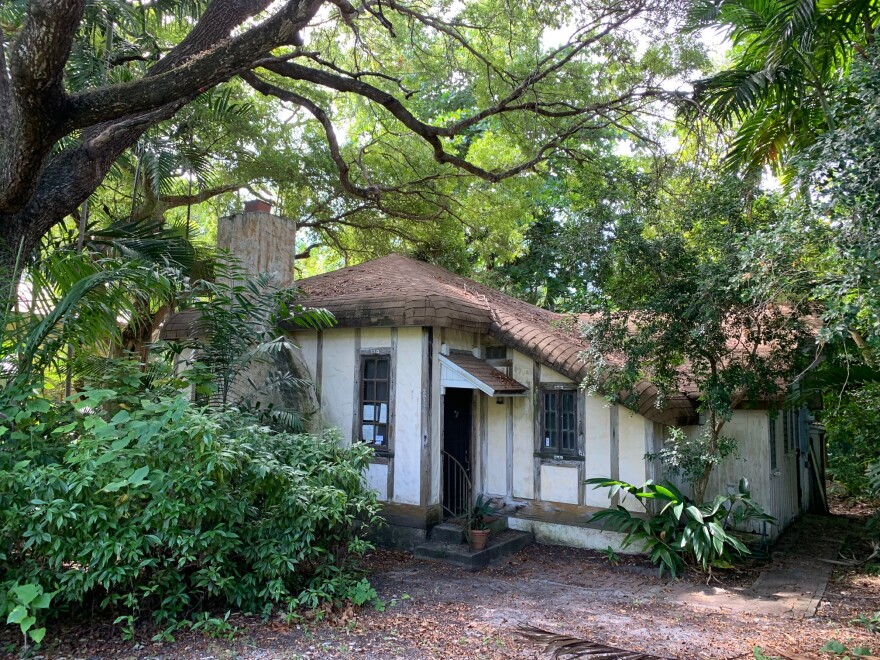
(207, 57)
(5, 92)
(40, 51)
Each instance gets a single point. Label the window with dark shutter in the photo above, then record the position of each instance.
(375, 399)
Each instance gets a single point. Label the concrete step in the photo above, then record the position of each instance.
(453, 531)
(501, 544)
(447, 532)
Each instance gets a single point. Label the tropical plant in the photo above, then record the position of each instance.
(679, 532)
(480, 514)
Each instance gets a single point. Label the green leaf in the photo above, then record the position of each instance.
(122, 443)
(137, 478)
(695, 513)
(26, 593)
(17, 615)
(37, 634)
(833, 646)
(42, 601)
(26, 623)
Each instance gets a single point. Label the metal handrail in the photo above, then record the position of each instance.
(461, 487)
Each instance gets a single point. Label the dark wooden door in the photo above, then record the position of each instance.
(457, 423)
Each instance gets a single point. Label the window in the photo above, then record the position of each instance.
(375, 399)
(774, 461)
(496, 352)
(790, 430)
(560, 422)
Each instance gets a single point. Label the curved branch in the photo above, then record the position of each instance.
(318, 113)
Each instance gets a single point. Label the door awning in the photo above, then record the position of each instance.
(461, 369)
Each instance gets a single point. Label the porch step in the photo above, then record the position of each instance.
(447, 532)
(452, 531)
(501, 544)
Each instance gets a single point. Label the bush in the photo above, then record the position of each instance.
(852, 423)
(682, 532)
(138, 501)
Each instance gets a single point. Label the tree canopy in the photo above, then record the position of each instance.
(415, 103)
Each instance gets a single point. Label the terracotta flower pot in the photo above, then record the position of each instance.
(479, 538)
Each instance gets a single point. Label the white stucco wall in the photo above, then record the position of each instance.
(408, 416)
(377, 337)
(597, 429)
(457, 340)
(559, 483)
(376, 477)
(550, 376)
(496, 456)
(523, 429)
(632, 446)
(308, 344)
(337, 379)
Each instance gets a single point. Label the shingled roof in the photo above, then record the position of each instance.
(399, 291)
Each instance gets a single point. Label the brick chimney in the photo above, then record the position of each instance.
(262, 241)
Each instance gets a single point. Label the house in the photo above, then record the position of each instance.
(463, 390)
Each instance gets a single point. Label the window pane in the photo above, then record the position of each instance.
(567, 423)
(567, 402)
(568, 442)
(551, 430)
(374, 395)
(381, 391)
(496, 352)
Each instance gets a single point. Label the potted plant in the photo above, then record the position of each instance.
(479, 517)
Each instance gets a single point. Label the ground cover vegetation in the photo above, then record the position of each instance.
(555, 151)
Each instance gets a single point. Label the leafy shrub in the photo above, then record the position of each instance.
(682, 532)
(689, 456)
(852, 423)
(138, 501)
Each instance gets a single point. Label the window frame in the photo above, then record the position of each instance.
(364, 357)
(558, 452)
(774, 445)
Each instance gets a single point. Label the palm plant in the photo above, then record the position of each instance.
(237, 321)
(74, 299)
(786, 56)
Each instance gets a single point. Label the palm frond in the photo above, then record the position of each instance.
(565, 646)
